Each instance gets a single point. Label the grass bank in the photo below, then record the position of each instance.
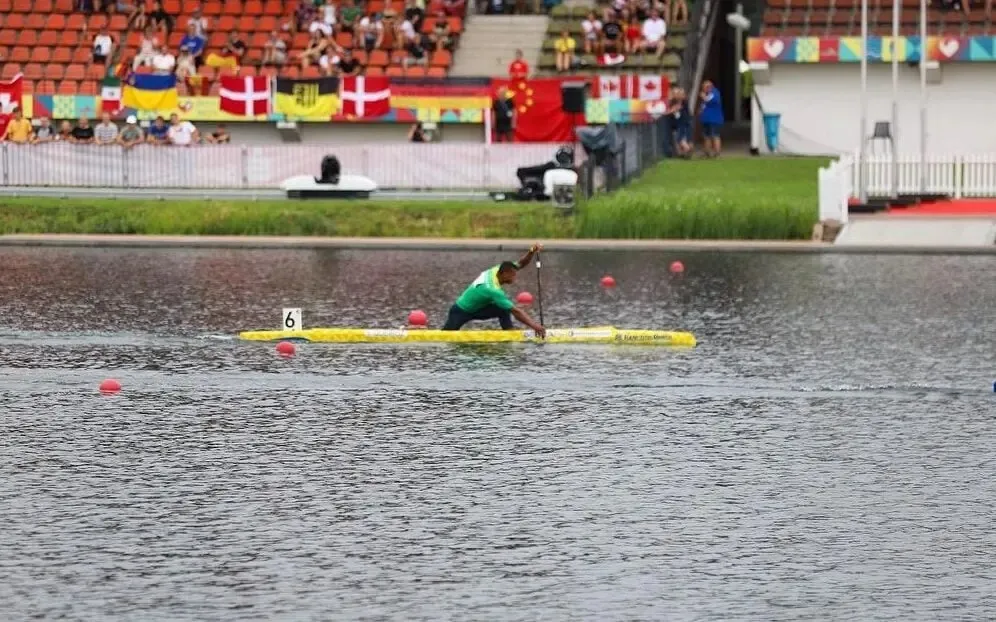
(728, 198)
(725, 199)
(455, 219)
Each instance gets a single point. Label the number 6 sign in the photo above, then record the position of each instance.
(291, 319)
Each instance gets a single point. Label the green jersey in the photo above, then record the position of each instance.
(484, 291)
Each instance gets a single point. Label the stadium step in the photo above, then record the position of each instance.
(489, 42)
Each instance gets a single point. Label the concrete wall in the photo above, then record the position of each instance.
(342, 133)
(821, 108)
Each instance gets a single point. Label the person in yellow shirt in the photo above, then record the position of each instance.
(19, 129)
(564, 47)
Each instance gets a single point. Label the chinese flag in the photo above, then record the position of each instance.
(539, 116)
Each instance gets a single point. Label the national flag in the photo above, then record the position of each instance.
(610, 60)
(307, 100)
(610, 87)
(10, 98)
(539, 114)
(651, 87)
(365, 98)
(150, 91)
(110, 95)
(247, 97)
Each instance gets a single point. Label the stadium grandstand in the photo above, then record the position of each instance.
(51, 42)
(842, 18)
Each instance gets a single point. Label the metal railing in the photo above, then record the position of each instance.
(435, 166)
(642, 146)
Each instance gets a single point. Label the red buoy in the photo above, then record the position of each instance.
(677, 267)
(286, 348)
(524, 298)
(418, 318)
(110, 386)
(608, 281)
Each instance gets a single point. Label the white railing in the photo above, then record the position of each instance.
(439, 166)
(963, 176)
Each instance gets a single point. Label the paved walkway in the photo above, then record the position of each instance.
(265, 242)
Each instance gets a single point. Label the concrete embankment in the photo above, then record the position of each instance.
(267, 242)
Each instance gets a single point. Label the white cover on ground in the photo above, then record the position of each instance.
(907, 231)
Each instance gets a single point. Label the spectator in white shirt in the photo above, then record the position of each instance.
(328, 14)
(407, 32)
(103, 45)
(275, 50)
(591, 28)
(106, 133)
(146, 50)
(163, 62)
(372, 32)
(318, 25)
(200, 24)
(654, 31)
(181, 133)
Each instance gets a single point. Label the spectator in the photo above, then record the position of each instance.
(219, 136)
(146, 50)
(200, 24)
(612, 34)
(441, 37)
(235, 48)
(328, 14)
(137, 19)
(44, 133)
(318, 25)
(106, 133)
(416, 134)
(181, 133)
(348, 65)
(193, 43)
(65, 132)
(504, 115)
(349, 16)
(414, 14)
(315, 50)
(591, 29)
(518, 69)
(19, 129)
(163, 62)
(406, 34)
(330, 57)
(186, 68)
(681, 122)
(372, 32)
(158, 132)
(275, 50)
(681, 9)
(83, 132)
(633, 44)
(564, 48)
(654, 31)
(103, 45)
(160, 20)
(711, 118)
(304, 15)
(131, 134)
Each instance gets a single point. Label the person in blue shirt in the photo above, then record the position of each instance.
(193, 44)
(711, 118)
(158, 131)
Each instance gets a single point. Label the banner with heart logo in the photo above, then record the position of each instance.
(980, 49)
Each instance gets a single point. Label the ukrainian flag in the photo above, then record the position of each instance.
(148, 91)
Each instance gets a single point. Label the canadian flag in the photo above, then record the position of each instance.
(10, 98)
(364, 97)
(642, 87)
(245, 97)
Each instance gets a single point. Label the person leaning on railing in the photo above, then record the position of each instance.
(19, 129)
(131, 134)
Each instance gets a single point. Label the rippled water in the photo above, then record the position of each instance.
(825, 453)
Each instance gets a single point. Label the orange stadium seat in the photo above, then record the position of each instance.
(82, 55)
(62, 55)
(69, 38)
(22, 6)
(273, 8)
(267, 24)
(436, 72)
(20, 55)
(395, 71)
(75, 21)
(48, 38)
(41, 54)
(252, 8)
(211, 9)
(442, 58)
(54, 72)
(118, 23)
(64, 6)
(8, 38)
(97, 21)
(75, 72)
(415, 72)
(374, 71)
(10, 70)
(44, 87)
(14, 21)
(67, 87)
(41, 6)
(379, 58)
(5, 6)
(226, 23)
(88, 88)
(34, 21)
(217, 40)
(33, 71)
(95, 72)
(27, 37)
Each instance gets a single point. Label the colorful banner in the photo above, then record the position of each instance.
(149, 91)
(880, 49)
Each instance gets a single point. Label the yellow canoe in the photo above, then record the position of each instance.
(596, 335)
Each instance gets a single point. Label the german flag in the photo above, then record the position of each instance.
(307, 100)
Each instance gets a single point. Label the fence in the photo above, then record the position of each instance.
(442, 166)
(641, 146)
(964, 176)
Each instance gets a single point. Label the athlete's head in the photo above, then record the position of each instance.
(506, 272)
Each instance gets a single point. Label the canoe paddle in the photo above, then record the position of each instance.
(539, 289)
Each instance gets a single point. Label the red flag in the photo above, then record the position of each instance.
(364, 97)
(245, 97)
(10, 98)
(539, 114)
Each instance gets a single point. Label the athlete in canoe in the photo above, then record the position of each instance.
(486, 300)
